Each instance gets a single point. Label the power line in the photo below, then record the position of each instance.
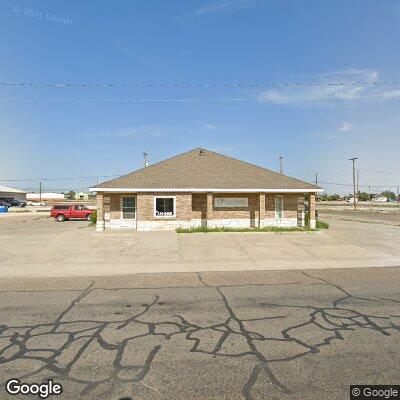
(350, 184)
(277, 99)
(380, 172)
(192, 100)
(55, 179)
(195, 85)
(319, 171)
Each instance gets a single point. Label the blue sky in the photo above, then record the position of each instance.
(216, 42)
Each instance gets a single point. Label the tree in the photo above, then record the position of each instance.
(390, 195)
(335, 197)
(364, 196)
(71, 195)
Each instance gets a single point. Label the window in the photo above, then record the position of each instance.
(164, 207)
(80, 208)
(61, 207)
(128, 208)
(278, 207)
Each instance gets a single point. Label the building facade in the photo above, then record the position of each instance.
(9, 193)
(203, 188)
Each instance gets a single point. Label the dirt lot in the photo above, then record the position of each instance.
(35, 245)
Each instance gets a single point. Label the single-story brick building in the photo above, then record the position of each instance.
(203, 188)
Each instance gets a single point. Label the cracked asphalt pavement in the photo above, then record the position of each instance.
(223, 335)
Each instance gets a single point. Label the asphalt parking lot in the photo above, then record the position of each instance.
(87, 310)
(35, 245)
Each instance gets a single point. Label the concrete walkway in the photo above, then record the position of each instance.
(40, 247)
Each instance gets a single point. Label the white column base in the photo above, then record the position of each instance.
(99, 226)
(313, 223)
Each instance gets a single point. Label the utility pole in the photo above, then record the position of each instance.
(40, 191)
(316, 179)
(358, 181)
(146, 163)
(354, 182)
(280, 164)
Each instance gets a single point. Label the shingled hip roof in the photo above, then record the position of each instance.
(204, 170)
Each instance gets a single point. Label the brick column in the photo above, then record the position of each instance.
(300, 211)
(311, 211)
(209, 209)
(100, 213)
(261, 210)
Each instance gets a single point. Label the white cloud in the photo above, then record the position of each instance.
(209, 127)
(345, 127)
(356, 85)
(220, 6)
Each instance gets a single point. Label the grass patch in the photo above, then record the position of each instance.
(205, 229)
(322, 224)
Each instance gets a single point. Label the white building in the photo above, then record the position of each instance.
(81, 196)
(12, 193)
(380, 199)
(45, 196)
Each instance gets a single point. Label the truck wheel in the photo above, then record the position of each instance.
(60, 218)
(88, 217)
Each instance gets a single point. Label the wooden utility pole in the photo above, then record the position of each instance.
(280, 164)
(316, 179)
(354, 182)
(358, 181)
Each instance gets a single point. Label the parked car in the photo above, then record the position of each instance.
(5, 203)
(63, 212)
(18, 203)
(36, 203)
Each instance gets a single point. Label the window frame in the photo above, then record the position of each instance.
(164, 216)
(281, 211)
(122, 208)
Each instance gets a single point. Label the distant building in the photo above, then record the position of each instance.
(380, 199)
(45, 196)
(81, 196)
(12, 193)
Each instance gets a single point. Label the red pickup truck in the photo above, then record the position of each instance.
(63, 212)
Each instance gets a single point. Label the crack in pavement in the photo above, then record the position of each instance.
(343, 314)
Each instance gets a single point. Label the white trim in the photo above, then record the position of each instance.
(164, 216)
(204, 190)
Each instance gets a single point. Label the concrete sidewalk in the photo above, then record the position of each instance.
(40, 247)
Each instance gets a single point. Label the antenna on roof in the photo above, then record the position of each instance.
(146, 163)
(280, 164)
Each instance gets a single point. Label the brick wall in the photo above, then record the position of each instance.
(289, 205)
(199, 206)
(192, 209)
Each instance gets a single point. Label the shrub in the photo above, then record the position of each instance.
(322, 224)
(93, 217)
